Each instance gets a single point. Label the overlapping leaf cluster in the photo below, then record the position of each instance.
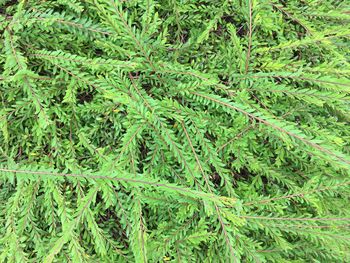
(174, 131)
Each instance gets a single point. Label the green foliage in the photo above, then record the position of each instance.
(174, 131)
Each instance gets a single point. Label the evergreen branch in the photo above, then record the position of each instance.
(68, 22)
(281, 75)
(275, 125)
(228, 242)
(164, 129)
(22, 67)
(55, 57)
(57, 247)
(289, 15)
(346, 226)
(250, 4)
(301, 194)
(296, 219)
(150, 182)
(319, 37)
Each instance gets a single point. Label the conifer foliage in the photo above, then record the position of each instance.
(174, 131)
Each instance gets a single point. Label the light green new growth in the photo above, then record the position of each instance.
(174, 131)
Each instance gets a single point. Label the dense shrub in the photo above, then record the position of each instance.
(181, 131)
